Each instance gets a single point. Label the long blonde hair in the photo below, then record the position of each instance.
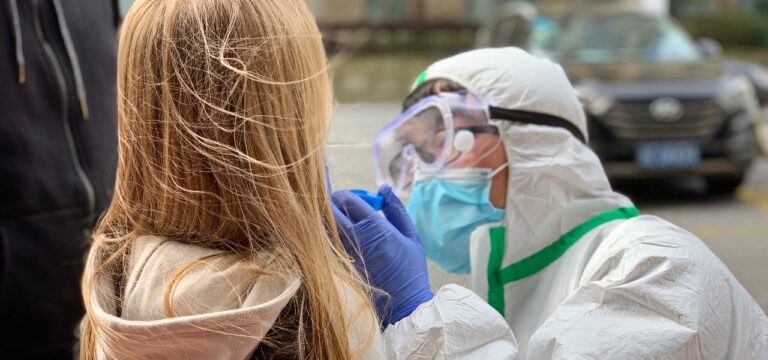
(224, 107)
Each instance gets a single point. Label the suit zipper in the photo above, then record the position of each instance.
(65, 116)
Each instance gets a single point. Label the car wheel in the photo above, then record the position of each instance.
(724, 184)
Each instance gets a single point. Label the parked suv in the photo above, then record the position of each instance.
(658, 103)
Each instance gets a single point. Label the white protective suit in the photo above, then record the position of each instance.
(575, 270)
(223, 311)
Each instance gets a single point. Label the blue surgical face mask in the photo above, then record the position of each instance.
(447, 207)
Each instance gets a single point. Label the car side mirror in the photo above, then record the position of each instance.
(710, 47)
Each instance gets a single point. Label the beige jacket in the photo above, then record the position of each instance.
(226, 311)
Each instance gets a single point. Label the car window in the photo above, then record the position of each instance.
(615, 37)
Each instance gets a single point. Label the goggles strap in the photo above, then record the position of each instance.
(486, 129)
(535, 118)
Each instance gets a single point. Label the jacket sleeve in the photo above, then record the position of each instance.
(455, 324)
(654, 291)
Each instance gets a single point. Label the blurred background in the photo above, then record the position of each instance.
(676, 93)
(387, 42)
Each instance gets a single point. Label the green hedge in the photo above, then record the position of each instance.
(731, 29)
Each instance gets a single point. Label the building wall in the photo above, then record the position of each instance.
(388, 10)
(356, 11)
(478, 11)
(338, 11)
(445, 10)
(373, 11)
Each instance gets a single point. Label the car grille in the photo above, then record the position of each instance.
(633, 121)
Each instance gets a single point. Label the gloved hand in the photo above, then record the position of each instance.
(386, 250)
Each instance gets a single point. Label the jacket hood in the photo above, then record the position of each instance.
(228, 306)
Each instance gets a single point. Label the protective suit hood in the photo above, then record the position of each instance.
(555, 181)
(555, 184)
(510, 78)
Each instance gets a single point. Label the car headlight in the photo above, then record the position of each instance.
(737, 93)
(594, 101)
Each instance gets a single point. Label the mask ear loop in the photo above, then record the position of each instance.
(498, 170)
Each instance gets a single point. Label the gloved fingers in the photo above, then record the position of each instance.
(352, 206)
(395, 212)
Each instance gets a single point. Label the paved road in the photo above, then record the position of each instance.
(734, 227)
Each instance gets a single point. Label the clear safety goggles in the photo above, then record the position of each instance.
(448, 130)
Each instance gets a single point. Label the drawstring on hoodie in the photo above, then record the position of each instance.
(20, 62)
(74, 61)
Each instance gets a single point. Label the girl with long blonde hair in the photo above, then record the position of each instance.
(220, 241)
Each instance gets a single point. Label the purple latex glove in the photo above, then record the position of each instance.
(386, 250)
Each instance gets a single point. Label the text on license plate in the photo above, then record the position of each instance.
(667, 155)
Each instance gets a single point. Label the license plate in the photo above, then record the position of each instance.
(668, 155)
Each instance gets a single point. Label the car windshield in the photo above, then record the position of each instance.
(612, 38)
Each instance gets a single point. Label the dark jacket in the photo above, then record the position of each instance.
(57, 160)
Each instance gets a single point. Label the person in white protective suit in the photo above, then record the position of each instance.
(526, 208)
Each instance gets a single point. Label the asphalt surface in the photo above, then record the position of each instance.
(735, 227)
